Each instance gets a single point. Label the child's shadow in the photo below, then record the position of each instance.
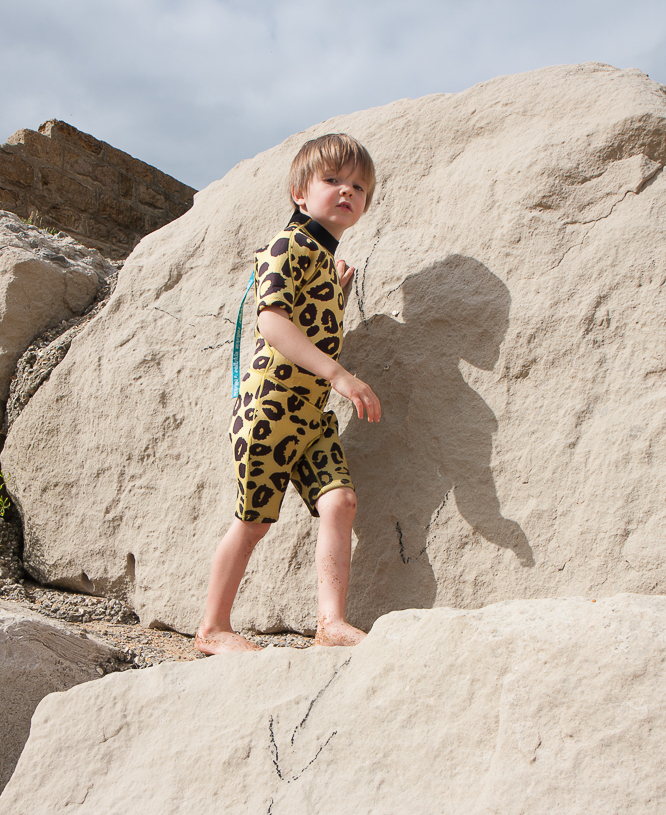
(435, 437)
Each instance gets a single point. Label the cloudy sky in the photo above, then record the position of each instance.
(194, 86)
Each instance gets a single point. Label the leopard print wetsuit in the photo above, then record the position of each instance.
(279, 430)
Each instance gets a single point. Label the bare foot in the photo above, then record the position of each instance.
(337, 632)
(222, 641)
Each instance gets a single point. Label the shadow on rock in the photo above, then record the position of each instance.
(434, 441)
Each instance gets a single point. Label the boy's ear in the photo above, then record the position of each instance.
(297, 196)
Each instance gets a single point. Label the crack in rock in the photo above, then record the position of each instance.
(273, 746)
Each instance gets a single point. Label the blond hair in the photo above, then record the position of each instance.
(328, 154)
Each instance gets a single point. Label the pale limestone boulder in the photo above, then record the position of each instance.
(539, 706)
(44, 279)
(38, 656)
(509, 313)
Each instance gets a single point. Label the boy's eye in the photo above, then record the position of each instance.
(358, 187)
(330, 180)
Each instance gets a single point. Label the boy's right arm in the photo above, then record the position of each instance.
(276, 327)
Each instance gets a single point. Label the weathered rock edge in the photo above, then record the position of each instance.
(44, 279)
(543, 706)
(47, 350)
(104, 198)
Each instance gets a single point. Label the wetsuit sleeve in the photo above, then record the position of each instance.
(281, 270)
(274, 278)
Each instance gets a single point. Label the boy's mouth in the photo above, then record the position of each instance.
(345, 205)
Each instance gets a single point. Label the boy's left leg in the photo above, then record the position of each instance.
(336, 509)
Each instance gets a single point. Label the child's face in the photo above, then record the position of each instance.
(334, 200)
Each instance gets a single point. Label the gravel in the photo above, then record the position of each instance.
(11, 567)
(114, 623)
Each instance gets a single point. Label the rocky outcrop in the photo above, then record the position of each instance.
(37, 657)
(104, 198)
(509, 313)
(49, 348)
(45, 280)
(545, 706)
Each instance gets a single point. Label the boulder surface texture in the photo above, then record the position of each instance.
(37, 657)
(508, 311)
(44, 279)
(539, 706)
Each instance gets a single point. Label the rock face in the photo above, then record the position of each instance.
(37, 657)
(104, 198)
(44, 279)
(544, 706)
(509, 313)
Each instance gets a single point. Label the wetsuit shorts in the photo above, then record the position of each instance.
(278, 437)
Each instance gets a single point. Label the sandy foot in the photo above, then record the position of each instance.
(337, 633)
(222, 642)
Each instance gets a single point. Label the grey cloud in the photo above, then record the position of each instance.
(194, 86)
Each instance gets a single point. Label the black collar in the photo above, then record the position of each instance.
(318, 232)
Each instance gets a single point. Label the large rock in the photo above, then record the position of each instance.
(38, 656)
(44, 279)
(540, 706)
(509, 313)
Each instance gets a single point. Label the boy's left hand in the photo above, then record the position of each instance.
(345, 273)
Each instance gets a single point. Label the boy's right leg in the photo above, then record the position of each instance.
(230, 560)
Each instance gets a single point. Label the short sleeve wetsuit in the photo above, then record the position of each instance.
(279, 429)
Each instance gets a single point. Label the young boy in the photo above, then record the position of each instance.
(279, 429)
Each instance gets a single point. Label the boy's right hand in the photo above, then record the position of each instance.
(360, 394)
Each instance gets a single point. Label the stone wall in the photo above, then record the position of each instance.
(102, 197)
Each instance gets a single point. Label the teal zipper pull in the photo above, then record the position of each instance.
(237, 341)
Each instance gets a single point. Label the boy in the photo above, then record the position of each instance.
(279, 429)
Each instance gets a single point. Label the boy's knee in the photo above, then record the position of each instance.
(342, 500)
(254, 532)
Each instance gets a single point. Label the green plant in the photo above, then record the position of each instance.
(35, 219)
(5, 503)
